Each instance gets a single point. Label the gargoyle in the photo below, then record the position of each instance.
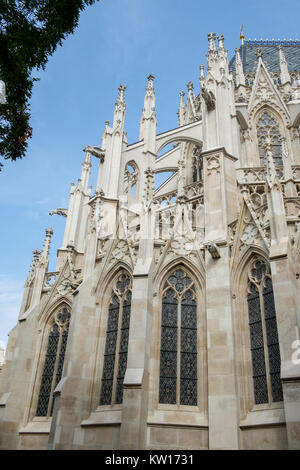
(63, 212)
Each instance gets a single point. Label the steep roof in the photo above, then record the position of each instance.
(270, 55)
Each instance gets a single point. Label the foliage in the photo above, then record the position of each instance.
(30, 31)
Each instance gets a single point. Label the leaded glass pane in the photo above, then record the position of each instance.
(117, 331)
(47, 377)
(272, 341)
(169, 309)
(169, 339)
(260, 389)
(259, 270)
(106, 392)
(110, 352)
(188, 392)
(167, 390)
(188, 311)
(264, 336)
(178, 367)
(168, 364)
(257, 342)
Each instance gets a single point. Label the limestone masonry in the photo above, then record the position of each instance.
(172, 319)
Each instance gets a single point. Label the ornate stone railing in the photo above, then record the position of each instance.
(194, 190)
(166, 199)
(256, 174)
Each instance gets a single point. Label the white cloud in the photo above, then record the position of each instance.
(11, 291)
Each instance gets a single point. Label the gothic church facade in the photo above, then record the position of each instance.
(172, 320)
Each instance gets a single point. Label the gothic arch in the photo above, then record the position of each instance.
(103, 295)
(244, 258)
(105, 279)
(47, 320)
(242, 330)
(197, 279)
(267, 121)
(46, 314)
(192, 269)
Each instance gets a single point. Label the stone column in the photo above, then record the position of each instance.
(287, 315)
(220, 209)
(136, 388)
(136, 381)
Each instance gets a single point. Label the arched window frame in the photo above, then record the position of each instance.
(55, 339)
(263, 334)
(122, 297)
(201, 350)
(265, 412)
(274, 129)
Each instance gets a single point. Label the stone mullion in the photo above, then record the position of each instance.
(55, 371)
(117, 350)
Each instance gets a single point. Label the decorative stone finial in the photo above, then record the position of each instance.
(259, 53)
(221, 41)
(150, 78)
(212, 41)
(121, 97)
(202, 77)
(190, 86)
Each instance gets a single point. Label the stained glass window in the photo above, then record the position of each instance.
(264, 342)
(267, 126)
(178, 350)
(54, 361)
(116, 345)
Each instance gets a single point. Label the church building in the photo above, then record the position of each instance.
(172, 320)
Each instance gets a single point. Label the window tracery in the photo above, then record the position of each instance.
(54, 360)
(264, 342)
(178, 350)
(268, 127)
(116, 346)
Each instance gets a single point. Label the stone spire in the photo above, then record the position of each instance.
(221, 41)
(284, 71)
(120, 107)
(240, 77)
(148, 118)
(30, 277)
(44, 258)
(278, 224)
(211, 42)
(202, 76)
(181, 110)
(41, 269)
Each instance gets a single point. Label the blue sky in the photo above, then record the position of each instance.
(117, 41)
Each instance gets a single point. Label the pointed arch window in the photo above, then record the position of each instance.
(267, 126)
(116, 345)
(54, 360)
(178, 349)
(264, 342)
